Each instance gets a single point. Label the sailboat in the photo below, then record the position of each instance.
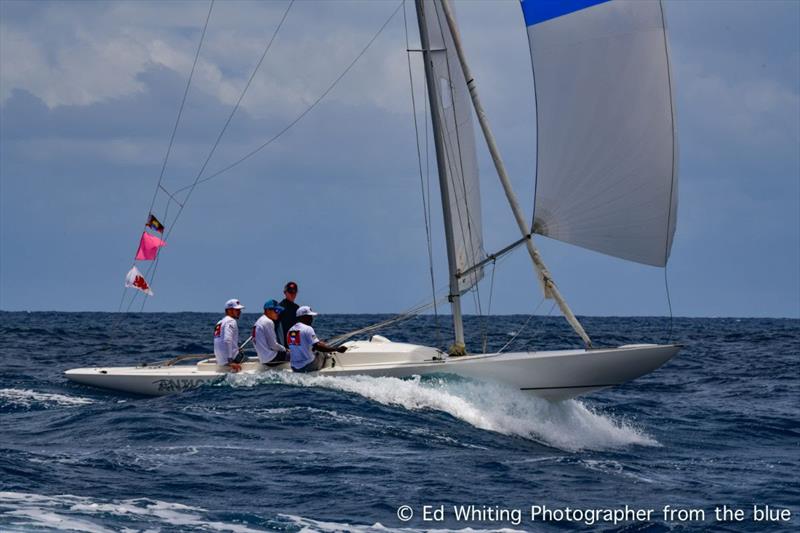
(606, 180)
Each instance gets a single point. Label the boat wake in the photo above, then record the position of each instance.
(568, 425)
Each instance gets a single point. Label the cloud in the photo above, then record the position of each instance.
(89, 96)
(66, 60)
(733, 109)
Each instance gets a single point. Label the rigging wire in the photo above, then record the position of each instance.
(401, 317)
(517, 333)
(489, 308)
(425, 212)
(669, 303)
(180, 110)
(230, 116)
(269, 141)
(222, 133)
(172, 139)
(299, 117)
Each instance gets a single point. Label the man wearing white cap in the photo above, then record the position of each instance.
(226, 336)
(302, 342)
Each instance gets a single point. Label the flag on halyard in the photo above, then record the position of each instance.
(135, 280)
(154, 223)
(148, 247)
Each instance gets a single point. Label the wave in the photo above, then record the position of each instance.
(568, 425)
(320, 526)
(32, 398)
(66, 512)
(76, 513)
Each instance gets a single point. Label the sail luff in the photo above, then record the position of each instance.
(443, 171)
(550, 288)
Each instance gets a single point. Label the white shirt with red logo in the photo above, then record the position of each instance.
(226, 340)
(264, 339)
(301, 340)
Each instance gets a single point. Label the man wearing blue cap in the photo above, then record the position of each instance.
(267, 346)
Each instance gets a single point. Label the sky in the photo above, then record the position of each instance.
(90, 91)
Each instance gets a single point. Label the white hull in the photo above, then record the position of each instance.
(554, 375)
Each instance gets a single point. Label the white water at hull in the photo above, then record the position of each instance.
(553, 375)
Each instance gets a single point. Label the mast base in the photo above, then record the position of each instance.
(457, 350)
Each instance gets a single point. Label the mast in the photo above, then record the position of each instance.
(441, 163)
(550, 289)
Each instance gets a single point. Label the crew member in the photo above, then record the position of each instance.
(267, 347)
(226, 336)
(288, 316)
(303, 341)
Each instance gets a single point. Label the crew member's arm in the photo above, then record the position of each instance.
(228, 339)
(272, 341)
(320, 346)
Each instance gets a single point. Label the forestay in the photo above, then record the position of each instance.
(459, 147)
(606, 176)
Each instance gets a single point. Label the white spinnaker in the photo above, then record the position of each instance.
(459, 143)
(606, 176)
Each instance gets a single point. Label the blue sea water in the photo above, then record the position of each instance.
(718, 425)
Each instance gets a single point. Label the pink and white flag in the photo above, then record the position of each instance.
(148, 247)
(135, 280)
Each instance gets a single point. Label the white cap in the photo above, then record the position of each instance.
(233, 303)
(305, 310)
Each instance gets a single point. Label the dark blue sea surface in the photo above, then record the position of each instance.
(718, 425)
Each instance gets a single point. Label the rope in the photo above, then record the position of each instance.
(304, 113)
(669, 303)
(672, 180)
(180, 110)
(174, 130)
(258, 149)
(526, 324)
(489, 308)
(405, 315)
(220, 135)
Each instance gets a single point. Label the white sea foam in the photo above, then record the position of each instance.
(60, 522)
(308, 525)
(66, 512)
(27, 398)
(568, 425)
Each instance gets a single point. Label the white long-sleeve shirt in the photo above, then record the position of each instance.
(226, 340)
(301, 340)
(267, 345)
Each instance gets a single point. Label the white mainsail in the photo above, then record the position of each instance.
(458, 134)
(606, 176)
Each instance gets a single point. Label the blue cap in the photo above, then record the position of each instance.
(272, 304)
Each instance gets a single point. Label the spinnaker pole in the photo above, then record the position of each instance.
(454, 297)
(549, 286)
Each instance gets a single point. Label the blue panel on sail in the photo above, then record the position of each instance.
(536, 11)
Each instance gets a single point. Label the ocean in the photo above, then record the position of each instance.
(711, 441)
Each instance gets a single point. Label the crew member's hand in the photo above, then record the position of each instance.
(235, 367)
(341, 349)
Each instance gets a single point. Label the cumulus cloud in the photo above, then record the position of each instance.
(64, 59)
